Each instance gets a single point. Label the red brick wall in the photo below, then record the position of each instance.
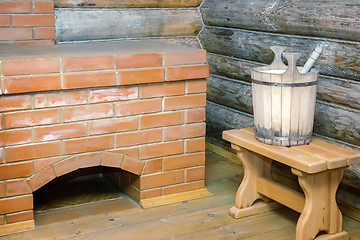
(141, 113)
(27, 22)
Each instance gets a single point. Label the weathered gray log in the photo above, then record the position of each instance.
(338, 123)
(333, 90)
(126, 3)
(220, 118)
(339, 59)
(230, 92)
(79, 25)
(319, 18)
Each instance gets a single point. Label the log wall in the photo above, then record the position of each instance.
(238, 35)
(171, 21)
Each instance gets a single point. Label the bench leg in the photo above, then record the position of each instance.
(254, 166)
(320, 212)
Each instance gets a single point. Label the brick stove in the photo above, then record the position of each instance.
(137, 106)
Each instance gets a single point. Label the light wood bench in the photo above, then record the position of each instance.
(319, 167)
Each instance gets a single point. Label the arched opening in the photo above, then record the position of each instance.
(81, 190)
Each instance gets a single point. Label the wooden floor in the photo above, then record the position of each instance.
(206, 218)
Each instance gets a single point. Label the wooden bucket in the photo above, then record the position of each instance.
(283, 101)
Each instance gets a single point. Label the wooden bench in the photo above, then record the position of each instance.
(319, 167)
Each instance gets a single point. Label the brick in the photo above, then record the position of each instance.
(87, 80)
(17, 187)
(132, 165)
(1, 121)
(196, 86)
(150, 193)
(31, 66)
(33, 20)
(44, 7)
(138, 60)
(2, 191)
(15, 33)
(113, 94)
(183, 102)
(138, 107)
(153, 166)
(36, 42)
(141, 76)
(10, 171)
(16, 204)
(161, 149)
(181, 58)
(65, 166)
(132, 151)
(19, 217)
(15, 137)
(41, 178)
(138, 137)
(195, 115)
(32, 118)
(60, 131)
(195, 145)
(40, 150)
(2, 220)
(161, 179)
(187, 131)
(195, 174)
(164, 89)
(44, 33)
(10, 103)
(112, 125)
(183, 73)
(184, 161)
(161, 120)
(89, 160)
(72, 64)
(40, 164)
(4, 20)
(184, 187)
(15, 7)
(60, 99)
(88, 112)
(31, 84)
(111, 159)
(88, 144)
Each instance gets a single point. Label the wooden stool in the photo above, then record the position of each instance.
(319, 167)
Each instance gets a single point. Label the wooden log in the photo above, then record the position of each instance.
(80, 25)
(339, 58)
(220, 118)
(230, 92)
(339, 123)
(126, 3)
(330, 19)
(339, 91)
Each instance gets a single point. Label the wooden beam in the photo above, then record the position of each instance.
(82, 25)
(281, 194)
(17, 227)
(222, 152)
(175, 198)
(126, 3)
